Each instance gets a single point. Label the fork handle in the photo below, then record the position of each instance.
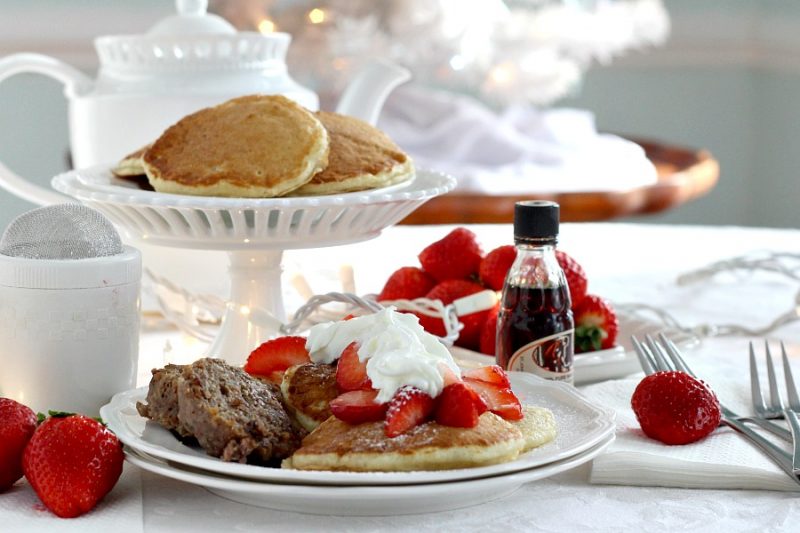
(772, 427)
(794, 426)
(778, 456)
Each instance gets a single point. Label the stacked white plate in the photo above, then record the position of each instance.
(584, 431)
(616, 362)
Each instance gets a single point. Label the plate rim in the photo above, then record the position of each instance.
(524, 476)
(601, 418)
(612, 363)
(416, 189)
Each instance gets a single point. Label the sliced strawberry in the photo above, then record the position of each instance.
(459, 406)
(501, 400)
(357, 407)
(489, 374)
(448, 375)
(351, 372)
(408, 408)
(277, 355)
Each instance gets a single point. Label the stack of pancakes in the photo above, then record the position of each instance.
(338, 446)
(265, 146)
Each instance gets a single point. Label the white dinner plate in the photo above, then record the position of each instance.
(591, 367)
(107, 182)
(581, 425)
(98, 184)
(364, 501)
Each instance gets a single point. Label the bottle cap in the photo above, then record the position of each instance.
(535, 220)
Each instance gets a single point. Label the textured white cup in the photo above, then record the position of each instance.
(69, 330)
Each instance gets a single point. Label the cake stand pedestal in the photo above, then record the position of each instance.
(254, 232)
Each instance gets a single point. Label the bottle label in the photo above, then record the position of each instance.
(549, 357)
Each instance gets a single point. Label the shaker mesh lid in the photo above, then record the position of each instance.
(66, 231)
(65, 246)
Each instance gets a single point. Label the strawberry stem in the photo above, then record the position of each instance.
(59, 414)
(588, 339)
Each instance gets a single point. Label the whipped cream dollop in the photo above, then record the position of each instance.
(397, 350)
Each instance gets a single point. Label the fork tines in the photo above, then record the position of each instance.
(659, 356)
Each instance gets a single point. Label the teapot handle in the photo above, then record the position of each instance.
(75, 83)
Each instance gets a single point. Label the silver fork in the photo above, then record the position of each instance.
(656, 357)
(776, 408)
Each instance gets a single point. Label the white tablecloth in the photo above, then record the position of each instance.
(625, 263)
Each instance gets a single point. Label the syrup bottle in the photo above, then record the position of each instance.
(535, 328)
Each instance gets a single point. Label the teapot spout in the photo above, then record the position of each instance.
(366, 94)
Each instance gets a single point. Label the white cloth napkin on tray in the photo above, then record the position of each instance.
(517, 151)
(120, 511)
(723, 460)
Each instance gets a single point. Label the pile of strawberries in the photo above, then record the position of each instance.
(455, 267)
(463, 399)
(71, 461)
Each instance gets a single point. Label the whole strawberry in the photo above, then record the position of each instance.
(448, 291)
(576, 277)
(17, 424)
(495, 265)
(488, 339)
(72, 462)
(675, 408)
(407, 283)
(457, 256)
(596, 325)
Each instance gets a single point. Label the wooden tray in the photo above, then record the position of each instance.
(683, 175)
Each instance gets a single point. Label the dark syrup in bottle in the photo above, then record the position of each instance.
(535, 329)
(532, 314)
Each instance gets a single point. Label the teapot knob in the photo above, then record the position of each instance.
(191, 7)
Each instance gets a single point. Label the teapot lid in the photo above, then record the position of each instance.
(192, 40)
(192, 19)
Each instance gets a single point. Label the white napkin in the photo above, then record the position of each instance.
(120, 511)
(522, 150)
(723, 460)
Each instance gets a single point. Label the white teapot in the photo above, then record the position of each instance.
(184, 63)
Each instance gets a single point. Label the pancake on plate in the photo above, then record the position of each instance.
(256, 146)
(538, 426)
(131, 165)
(338, 446)
(361, 157)
(307, 392)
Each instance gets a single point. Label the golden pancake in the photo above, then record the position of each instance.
(338, 446)
(254, 146)
(307, 392)
(538, 426)
(131, 165)
(361, 157)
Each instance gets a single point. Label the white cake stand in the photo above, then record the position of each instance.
(254, 232)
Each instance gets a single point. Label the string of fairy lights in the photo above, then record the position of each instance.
(505, 52)
(199, 315)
